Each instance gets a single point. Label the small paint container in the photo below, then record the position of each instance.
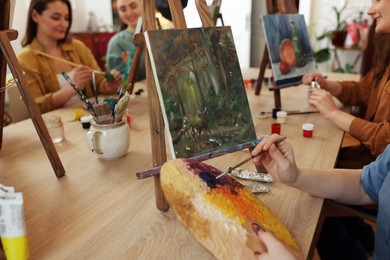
(281, 117)
(274, 111)
(307, 130)
(262, 115)
(128, 119)
(275, 128)
(85, 122)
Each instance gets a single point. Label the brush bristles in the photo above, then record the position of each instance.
(103, 113)
(121, 106)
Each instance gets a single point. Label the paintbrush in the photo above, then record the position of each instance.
(106, 75)
(94, 87)
(121, 106)
(80, 93)
(247, 160)
(103, 113)
(301, 112)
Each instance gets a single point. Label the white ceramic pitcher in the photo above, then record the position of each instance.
(110, 141)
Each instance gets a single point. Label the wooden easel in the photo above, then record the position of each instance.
(138, 41)
(273, 7)
(215, 11)
(155, 114)
(7, 56)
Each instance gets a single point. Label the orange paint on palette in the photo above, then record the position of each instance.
(240, 203)
(243, 204)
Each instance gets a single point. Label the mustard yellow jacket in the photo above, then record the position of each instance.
(41, 76)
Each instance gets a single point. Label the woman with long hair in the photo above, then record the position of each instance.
(121, 46)
(47, 34)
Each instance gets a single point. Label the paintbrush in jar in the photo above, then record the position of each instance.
(121, 106)
(95, 92)
(247, 160)
(80, 93)
(103, 113)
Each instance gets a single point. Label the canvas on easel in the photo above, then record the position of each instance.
(200, 88)
(289, 48)
(157, 128)
(274, 7)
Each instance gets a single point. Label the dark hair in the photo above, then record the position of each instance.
(382, 54)
(122, 26)
(39, 6)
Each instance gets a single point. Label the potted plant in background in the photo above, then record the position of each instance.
(337, 36)
(339, 33)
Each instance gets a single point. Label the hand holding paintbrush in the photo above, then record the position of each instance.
(108, 76)
(248, 159)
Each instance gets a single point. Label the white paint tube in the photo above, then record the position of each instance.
(12, 226)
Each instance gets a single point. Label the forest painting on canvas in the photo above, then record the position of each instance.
(201, 90)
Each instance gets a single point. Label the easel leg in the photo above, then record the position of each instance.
(4, 24)
(32, 108)
(133, 69)
(263, 66)
(161, 202)
(277, 99)
(155, 114)
(259, 168)
(2, 97)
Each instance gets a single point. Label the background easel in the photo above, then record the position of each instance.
(155, 114)
(215, 11)
(274, 7)
(7, 56)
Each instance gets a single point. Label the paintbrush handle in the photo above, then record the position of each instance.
(202, 157)
(80, 93)
(68, 62)
(301, 112)
(95, 92)
(247, 160)
(239, 164)
(234, 167)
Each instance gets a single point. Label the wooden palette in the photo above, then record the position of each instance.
(222, 214)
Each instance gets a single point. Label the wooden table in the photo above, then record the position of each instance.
(99, 210)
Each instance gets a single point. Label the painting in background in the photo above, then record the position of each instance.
(288, 47)
(201, 90)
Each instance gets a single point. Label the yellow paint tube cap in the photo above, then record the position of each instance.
(16, 248)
